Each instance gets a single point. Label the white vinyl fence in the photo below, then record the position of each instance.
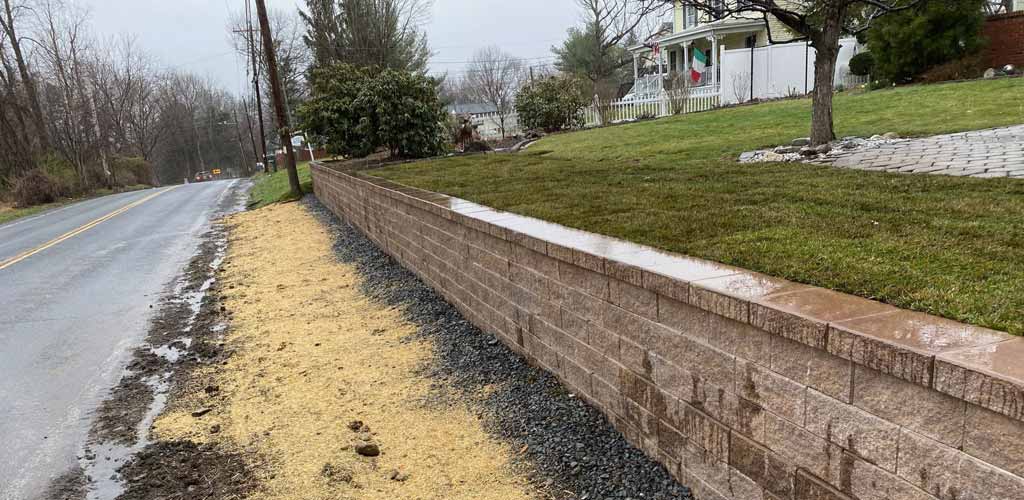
(489, 125)
(671, 102)
(781, 70)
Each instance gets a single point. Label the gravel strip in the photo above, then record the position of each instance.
(573, 451)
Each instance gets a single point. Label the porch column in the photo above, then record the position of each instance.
(686, 64)
(714, 60)
(636, 67)
(661, 68)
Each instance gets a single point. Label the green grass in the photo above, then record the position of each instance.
(9, 213)
(944, 245)
(274, 188)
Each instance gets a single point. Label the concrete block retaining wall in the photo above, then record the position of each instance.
(742, 385)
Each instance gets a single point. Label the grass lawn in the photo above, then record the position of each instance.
(949, 246)
(9, 213)
(273, 188)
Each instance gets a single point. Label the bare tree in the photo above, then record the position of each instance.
(598, 50)
(493, 77)
(9, 23)
(820, 22)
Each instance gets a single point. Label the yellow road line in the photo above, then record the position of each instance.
(70, 234)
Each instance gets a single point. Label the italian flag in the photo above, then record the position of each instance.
(700, 63)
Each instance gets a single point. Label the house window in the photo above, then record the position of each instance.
(718, 9)
(691, 16)
(672, 61)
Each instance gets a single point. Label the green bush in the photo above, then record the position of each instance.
(862, 64)
(909, 43)
(355, 111)
(551, 104)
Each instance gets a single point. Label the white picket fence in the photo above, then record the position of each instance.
(666, 103)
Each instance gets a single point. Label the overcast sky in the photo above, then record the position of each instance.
(191, 34)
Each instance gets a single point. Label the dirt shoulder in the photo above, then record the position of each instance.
(325, 394)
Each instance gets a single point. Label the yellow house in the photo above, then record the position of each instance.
(697, 36)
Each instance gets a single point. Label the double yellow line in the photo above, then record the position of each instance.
(75, 232)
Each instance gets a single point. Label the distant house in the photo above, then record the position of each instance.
(473, 110)
(700, 49)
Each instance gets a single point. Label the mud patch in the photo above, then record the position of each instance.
(183, 469)
(70, 486)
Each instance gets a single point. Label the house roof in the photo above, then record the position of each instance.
(721, 26)
(471, 108)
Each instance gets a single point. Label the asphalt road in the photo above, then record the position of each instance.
(75, 297)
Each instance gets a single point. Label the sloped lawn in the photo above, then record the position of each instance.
(949, 246)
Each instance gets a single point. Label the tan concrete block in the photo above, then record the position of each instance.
(636, 358)
(671, 441)
(682, 317)
(710, 468)
(808, 487)
(706, 363)
(634, 299)
(704, 431)
(643, 392)
(800, 448)
(742, 487)
(771, 391)
(813, 367)
(624, 272)
(949, 474)
(628, 326)
(936, 415)
(748, 457)
(604, 341)
(739, 339)
(854, 429)
(672, 379)
(593, 283)
(995, 438)
(668, 287)
(577, 302)
(719, 304)
(607, 395)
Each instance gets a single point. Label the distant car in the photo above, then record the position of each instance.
(204, 176)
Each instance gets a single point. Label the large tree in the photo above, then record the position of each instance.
(597, 50)
(368, 33)
(493, 77)
(820, 22)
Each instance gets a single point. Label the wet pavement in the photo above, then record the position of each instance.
(71, 312)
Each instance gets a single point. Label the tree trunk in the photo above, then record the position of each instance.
(827, 47)
(284, 129)
(26, 77)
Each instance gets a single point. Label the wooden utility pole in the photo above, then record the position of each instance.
(284, 127)
(251, 36)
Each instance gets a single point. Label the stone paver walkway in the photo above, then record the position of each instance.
(995, 152)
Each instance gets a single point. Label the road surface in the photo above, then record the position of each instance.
(76, 286)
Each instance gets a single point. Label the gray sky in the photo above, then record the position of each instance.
(191, 34)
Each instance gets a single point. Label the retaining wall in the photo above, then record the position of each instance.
(742, 385)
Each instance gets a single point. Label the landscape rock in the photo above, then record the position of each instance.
(368, 449)
(787, 149)
(822, 149)
(200, 412)
(890, 136)
(802, 141)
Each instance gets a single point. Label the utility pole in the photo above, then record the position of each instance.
(250, 35)
(284, 130)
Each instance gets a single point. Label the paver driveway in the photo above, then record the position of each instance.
(997, 152)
